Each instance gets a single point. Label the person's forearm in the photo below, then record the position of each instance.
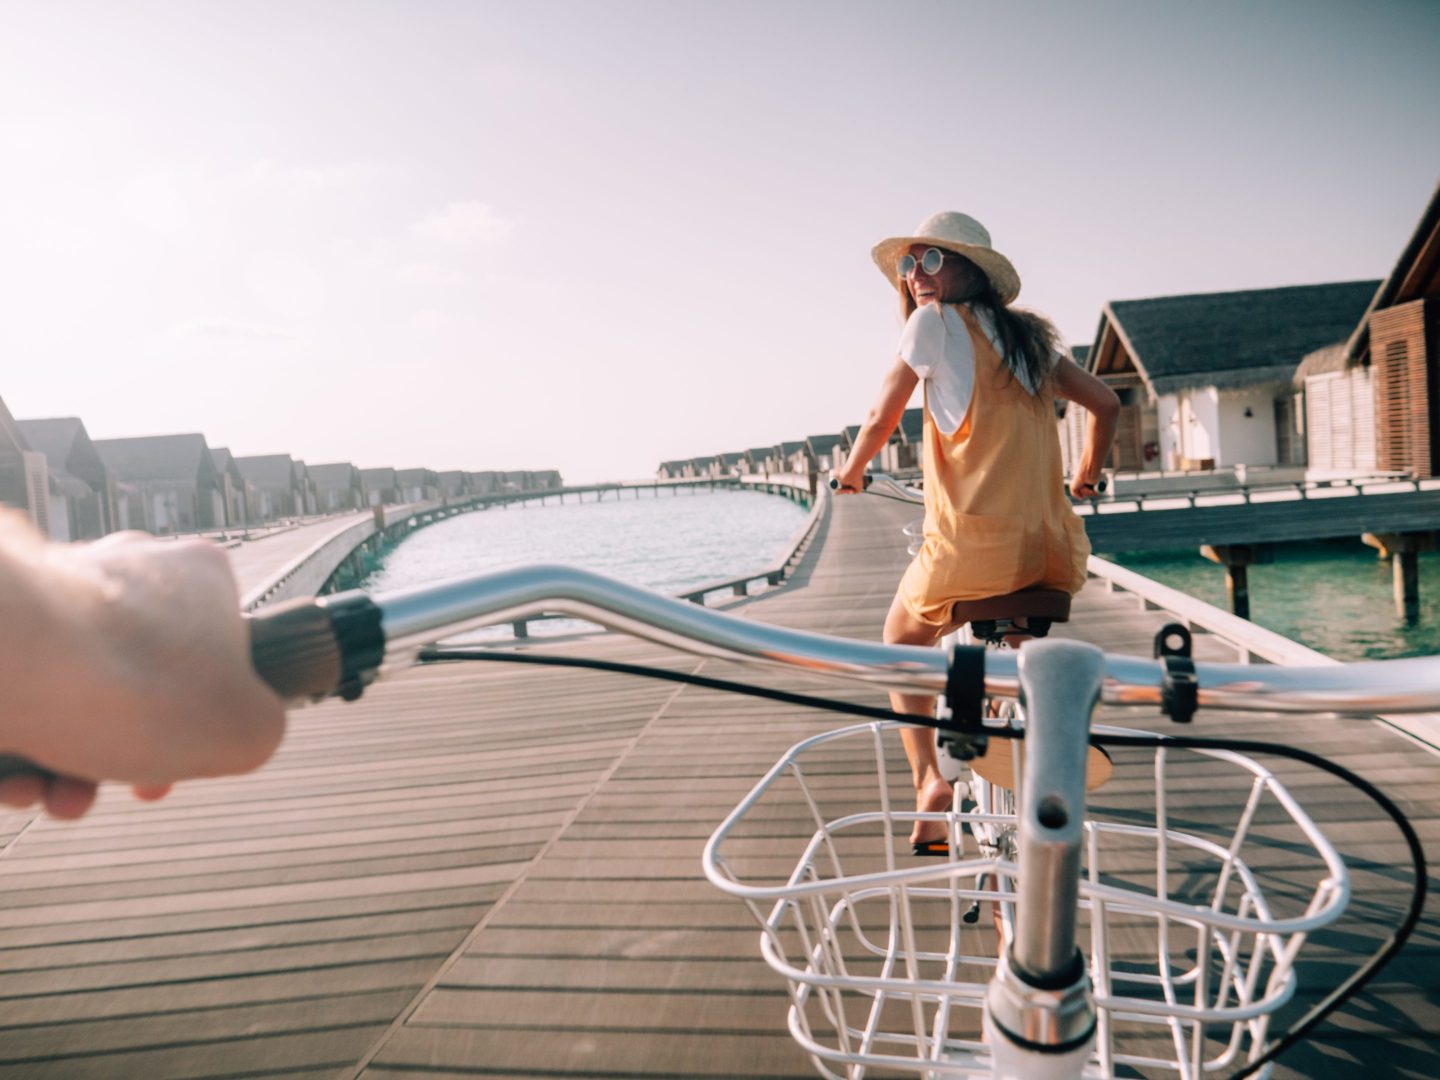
(1099, 437)
(869, 441)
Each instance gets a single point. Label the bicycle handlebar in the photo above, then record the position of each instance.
(310, 649)
(293, 647)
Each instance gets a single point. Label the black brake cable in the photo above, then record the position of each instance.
(1318, 1012)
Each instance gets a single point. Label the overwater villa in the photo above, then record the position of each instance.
(238, 496)
(1205, 380)
(277, 491)
(338, 487)
(825, 451)
(164, 483)
(381, 487)
(417, 485)
(80, 494)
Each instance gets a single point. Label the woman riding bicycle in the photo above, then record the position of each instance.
(996, 516)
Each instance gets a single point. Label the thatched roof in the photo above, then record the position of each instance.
(269, 472)
(1321, 362)
(418, 476)
(335, 474)
(1234, 339)
(1080, 353)
(822, 444)
(1413, 276)
(158, 458)
(383, 476)
(53, 438)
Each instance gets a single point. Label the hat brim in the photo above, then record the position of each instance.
(995, 266)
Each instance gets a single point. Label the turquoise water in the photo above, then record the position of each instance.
(1334, 597)
(668, 543)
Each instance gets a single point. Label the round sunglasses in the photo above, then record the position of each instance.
(931, 262)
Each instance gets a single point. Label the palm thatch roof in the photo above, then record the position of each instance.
(268, 472)
(54, 438)
(158, 458)
(1322, 361)
(1231, 340)
(335, 474)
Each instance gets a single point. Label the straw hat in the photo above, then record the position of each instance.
(956, 232)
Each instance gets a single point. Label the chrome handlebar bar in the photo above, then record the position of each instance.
(401, 622)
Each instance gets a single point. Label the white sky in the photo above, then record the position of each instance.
(592, 236)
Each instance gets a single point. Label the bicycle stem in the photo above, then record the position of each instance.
(1039, 1010)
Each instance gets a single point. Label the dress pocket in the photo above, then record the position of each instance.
(1065, 562)
(980, 555)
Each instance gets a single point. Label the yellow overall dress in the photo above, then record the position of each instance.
(996, 515)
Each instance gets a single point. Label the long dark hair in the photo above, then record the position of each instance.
(1028, 341)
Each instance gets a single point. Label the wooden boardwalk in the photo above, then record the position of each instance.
(490, 870)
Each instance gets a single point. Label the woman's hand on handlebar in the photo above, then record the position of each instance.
(1087, 486)
(124, 659)
(843, 484)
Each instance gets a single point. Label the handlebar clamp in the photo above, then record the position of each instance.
(965, 698)
(1179, 689)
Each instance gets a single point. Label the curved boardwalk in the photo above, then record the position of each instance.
(486, 869)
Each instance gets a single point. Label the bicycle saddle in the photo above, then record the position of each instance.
(1029, 611)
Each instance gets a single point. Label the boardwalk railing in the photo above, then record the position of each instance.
(307, 574)
(773, 575)
(1240, 494)
(1251, 642)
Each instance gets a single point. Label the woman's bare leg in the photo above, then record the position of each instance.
(932, 791)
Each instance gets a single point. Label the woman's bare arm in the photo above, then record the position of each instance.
(1074, 383)
(879, 424)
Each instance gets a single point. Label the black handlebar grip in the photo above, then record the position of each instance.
(294, 649)
(11, 765)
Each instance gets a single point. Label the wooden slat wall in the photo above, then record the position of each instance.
(1402, 389)
(1340, 420)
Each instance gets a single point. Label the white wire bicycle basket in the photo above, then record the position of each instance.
(1190, 927)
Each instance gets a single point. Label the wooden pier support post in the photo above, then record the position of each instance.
(1403, 551)
(1237, 559)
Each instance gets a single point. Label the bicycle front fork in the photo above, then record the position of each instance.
(1039, 1010)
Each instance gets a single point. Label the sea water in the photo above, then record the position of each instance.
(664, 542)
(1336, 597)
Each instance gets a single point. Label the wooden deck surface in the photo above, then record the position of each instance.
(256, 562)
(488, 869)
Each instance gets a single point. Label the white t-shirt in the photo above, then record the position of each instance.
(936, 345)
